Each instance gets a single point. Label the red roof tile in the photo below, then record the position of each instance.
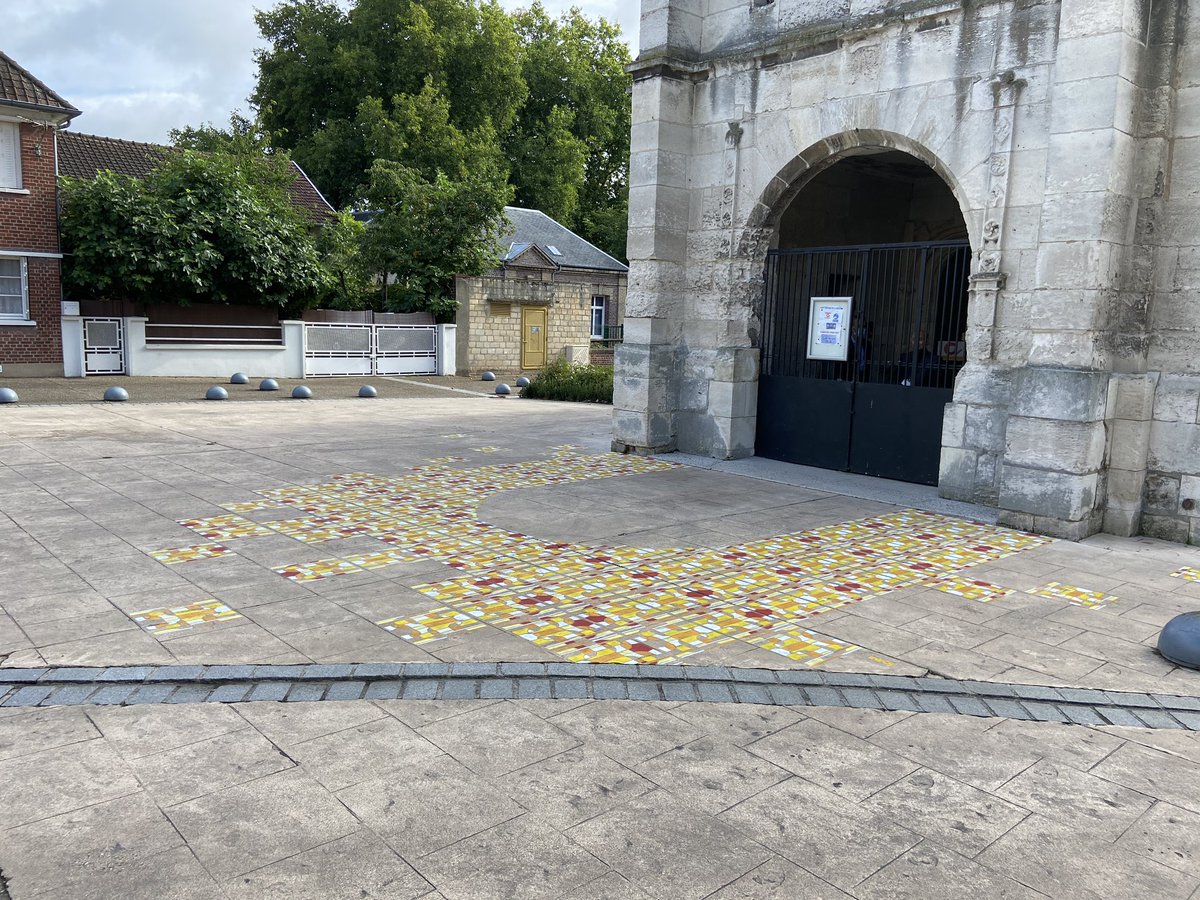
(86, 155)
(19, 87)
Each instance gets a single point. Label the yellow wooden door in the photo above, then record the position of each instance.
(533, 337)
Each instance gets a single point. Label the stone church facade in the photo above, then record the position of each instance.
(1049, 150)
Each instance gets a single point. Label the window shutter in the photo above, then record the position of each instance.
(9, 154)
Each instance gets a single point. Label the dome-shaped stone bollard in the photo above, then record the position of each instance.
(8, 395)
(367, 391)
(503, 390)
(239, 378)
(116, 395)
(522, 381)
(301, 392)
(216, 392)
(1179, 640)
(268, 384)
(488, 376)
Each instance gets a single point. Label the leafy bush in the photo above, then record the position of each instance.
(204, 228)
(562, 380)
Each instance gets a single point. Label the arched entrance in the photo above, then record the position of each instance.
(865, 318)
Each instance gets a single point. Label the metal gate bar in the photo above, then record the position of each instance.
(900, 291)
(353, 349)
(907, 332)
(103, 346)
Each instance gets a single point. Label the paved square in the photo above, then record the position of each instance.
(486, 530)
(481, 529)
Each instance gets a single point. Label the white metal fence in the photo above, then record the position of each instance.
(346, 349)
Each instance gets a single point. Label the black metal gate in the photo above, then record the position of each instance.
(880, 411)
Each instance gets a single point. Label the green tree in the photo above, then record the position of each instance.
(330, 80)
(422, 82)
(244, 138)
(199, 228)
(350, 285)
(578, 105)
(425, 232)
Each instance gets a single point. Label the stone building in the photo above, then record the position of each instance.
(552, 295)
(1005, 197)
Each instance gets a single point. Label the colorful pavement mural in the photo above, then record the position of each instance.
(614, 603)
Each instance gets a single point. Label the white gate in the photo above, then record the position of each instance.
(103, 347)
(405, 349)
(335, 349)
(338, 349)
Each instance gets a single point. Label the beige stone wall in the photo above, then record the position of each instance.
(489, 337)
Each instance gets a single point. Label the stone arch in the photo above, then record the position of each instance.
(907, 368)
(796, 174)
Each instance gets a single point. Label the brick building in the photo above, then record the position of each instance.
(30, 256)
(552, 295)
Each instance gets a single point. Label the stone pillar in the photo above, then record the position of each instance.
(975, 423)
(1054, 471)
(645, 397)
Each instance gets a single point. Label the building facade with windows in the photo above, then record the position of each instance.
(553, 295)
(993, 207)
(30, 256)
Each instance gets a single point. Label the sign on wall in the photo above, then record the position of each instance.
(829, 328)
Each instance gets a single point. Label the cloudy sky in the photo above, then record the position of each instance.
(138, 68)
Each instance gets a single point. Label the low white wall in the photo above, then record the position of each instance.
(215, 360)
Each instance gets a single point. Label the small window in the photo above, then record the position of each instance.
(10, 156)
(499, 310)
(14, 291)
(599, 316)
(554, 251)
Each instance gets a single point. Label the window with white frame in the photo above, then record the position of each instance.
(10, 156)
(14, 288)
(599, 316)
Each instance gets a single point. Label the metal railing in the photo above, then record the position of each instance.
(173, 335)
(908, 318)
(613, 335)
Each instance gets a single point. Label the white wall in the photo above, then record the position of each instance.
(215, 360)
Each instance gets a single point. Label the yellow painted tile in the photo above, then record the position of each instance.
(380, 559)
(250, 506)
(1073, 595)
(431, 626)
(224, 528)
(168, 619)
(802, 645)
(982, 591)
(314, 571)
(176, 555)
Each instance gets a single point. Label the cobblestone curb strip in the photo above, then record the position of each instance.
(129, 685)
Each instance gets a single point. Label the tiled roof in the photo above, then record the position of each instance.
(86, 155)
(305, 193)
(19, 87)
(555, 240)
